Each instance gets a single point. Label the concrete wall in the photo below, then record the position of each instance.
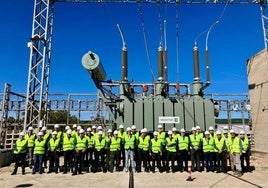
(257, 70)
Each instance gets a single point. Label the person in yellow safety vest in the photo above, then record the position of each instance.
(156, 152)
(174, 133)
(245, 152)
(59, 134)
(208, 148)
(76, 133)
(74, 130)
(114, 152)
(80, 150)
(19, 152)
(99, 152)
(30, 137)
(201, 135)
(129, 146)
(221, 148)
(69, 143)
(46, 137)
(143, 150)
(236, 147)
(94, 130)
(122, 134)
(90, 149)
(67, 127)
(162, 138)
(107, 147)
(183, 148)
(137, 135)
(54, 153)
(226, 128)
(171, 147)
(211, 130)
(39, 152)
(195, 147)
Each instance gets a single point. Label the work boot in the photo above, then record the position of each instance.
(239, 174)
(14, 173)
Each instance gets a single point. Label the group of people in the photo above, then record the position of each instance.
(94, 150)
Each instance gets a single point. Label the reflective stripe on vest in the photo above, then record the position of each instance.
(30, 139)
(21, 145)
(68, 143)
(115, 144)
(208, 146)
(39, 146)
(173, 147)
(245, 144)
(162, 137)
(129, 142)
(195, 141)
(183, 143)
(81, 143)
(144, 143)
(99, 144)
(54, 144)
(220, 144)
(235, 145)
(90, 141)
(156, 145)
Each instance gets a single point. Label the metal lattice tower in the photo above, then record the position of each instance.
(40, 48)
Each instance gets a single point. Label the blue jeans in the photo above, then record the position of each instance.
(38, 161)
(129, 154)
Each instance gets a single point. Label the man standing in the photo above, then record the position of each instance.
(162, 137)
(129, 147)
(114, 152)
(245, 152)
(39, 152)
(30, 137)
(54, 153)
(68, 150)
(195, 145)
(20, 153)
(99, 145)
(90, 149)
(171, 145)
(208, 148)
(80, 150)
(156, 152)
(143, 150)
(183, 148)
(221, 152)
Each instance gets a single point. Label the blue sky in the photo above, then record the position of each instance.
(79, 27)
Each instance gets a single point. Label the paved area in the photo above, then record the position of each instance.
(258, 178)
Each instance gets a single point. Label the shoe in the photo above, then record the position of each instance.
(126, 170)
(40, 172)
(73, 174)
(64, 172)
(56, 172)
(14, 173)
(23, 173)
(33, 173)
(49, 172)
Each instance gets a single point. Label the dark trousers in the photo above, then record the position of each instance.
(143, 157)
(170, 157)
(221, 162)
(209, 161)
(114, 160)
(78, 162)
(195, 159)
(68, 160)
(183, 158)
(89, 157)
(19, 159)
(245, 157)
(38, 161)
(54, 161)
(156, 158)
(99, 160)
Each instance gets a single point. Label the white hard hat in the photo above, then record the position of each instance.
(79, 127)
(198, 127)
(206, 132)
(69, 131)
(40, 134)
(194, 129)
(232, 131)
(81, 131)
(121, 126)
(44, 128)
(67, 127)
(211, 128)
(74, 126)
(169, 132)
(109, 131)
(54, 132)
(142, 131)
(218, 132)
(155, 133)
(30, 129)
(93, 127)
(224, 131)
(56, 126)
(22, 133)
(88, 129)
(115, 132)
(145, 130)
(225, 128)
(174, 129)
(182, 130)
(128, 129)
(100, 132)
(133, 127)
(99, 127)
(242, 132)
(160, 127)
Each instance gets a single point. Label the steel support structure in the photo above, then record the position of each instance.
(40, 48)
(39, 63)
